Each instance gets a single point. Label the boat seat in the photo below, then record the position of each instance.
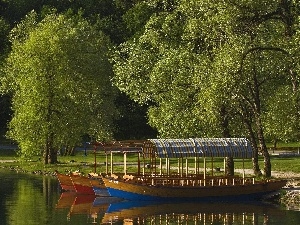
(128, 177)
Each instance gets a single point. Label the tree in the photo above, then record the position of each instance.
(59, 77)
(4, 100)
(206, 67)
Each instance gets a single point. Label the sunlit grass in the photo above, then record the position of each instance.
(86, 163)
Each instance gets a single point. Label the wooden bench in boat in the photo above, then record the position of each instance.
(189, 180)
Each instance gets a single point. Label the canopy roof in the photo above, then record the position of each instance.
(198, 147)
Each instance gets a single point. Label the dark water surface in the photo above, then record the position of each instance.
(31, 200)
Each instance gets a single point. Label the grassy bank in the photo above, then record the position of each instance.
(86, 163)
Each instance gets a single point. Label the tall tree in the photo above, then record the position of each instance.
(207, 66)
(59, 76)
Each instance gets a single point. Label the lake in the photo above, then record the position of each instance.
(37, 200)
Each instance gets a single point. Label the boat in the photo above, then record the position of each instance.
(65, 181)
(83, 185)
(91, 184)
(99, 187)
(188, 181)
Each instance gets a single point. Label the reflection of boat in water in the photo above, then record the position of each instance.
(88, 204)
(84, 204)
(188, 182)
(211, 213)
(66, 200)
(103, 210)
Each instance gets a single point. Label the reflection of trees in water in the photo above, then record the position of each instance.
(49, 188)
(200, 218)
(31, 199)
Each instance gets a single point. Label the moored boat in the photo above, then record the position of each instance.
(99, 187)
(156, 182)
(65, 181)
(82, 185)
(140, 190)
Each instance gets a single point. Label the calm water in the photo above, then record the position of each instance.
(30, 200)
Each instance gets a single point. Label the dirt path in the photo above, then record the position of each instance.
(7, 160)
(276, 174)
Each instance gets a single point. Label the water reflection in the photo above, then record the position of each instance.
(31, 200)
(107, 210)
(26, 199)
(92, 206)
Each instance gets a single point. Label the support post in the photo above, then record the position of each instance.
(106, 163)
(125, 165)
(204, 175)
(186, 167)
(160, 166)
(111, 162)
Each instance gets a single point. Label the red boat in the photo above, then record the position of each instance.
(82, 185)
(65, 181)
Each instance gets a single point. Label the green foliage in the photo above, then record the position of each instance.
(196, 57)
(59, 76)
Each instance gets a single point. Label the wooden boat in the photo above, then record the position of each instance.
(82, 185)
(92, 185)
(65, 181)
(99, 187)
(151, 190)
(156, 182)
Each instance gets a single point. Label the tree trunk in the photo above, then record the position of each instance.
(53, 156)
(226, 134)
(69, 151)
(246, 117)
(255, 165)
(229, 166)
(260, 133)
(264, 150)
(51, 152)
(46, 154)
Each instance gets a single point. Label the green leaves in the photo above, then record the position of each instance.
(59, 74)
(203, 58)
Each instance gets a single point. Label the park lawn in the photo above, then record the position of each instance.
(86, 163)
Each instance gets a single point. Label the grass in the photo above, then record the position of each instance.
(86, 163)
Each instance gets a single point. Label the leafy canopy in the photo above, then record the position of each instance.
(59, 77)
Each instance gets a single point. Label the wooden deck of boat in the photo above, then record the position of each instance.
(65, 182)
(187, 188)
(179, 180)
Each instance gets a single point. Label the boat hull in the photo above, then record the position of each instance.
(134, 191)
(65, 182)
(82, 185)
(99, 187)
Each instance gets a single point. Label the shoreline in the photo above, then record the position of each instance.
(289, 196)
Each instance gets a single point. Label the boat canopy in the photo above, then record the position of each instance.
(198, 147)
